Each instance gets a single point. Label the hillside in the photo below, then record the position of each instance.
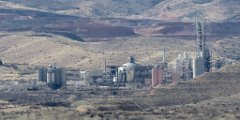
(110, 19)
(184, 10)
(49, 48)
(90, 8)
(82, 34)
(212, 10)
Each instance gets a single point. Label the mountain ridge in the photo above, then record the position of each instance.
(178, 10)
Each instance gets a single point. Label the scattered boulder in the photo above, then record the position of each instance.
(82, 110)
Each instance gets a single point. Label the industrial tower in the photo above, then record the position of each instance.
(202, 60)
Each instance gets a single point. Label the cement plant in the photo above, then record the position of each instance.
(110, 60)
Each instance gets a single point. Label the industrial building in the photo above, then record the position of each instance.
(133, 74)
(92, 77)
(157, 75)
(202, 60)
(188, 67)
(160, 73)
(184, 66)
(54, 77)
(198, 66)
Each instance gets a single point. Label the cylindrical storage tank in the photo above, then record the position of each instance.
(50, 76)
(198, 66)
(130, 75)
(63, 77)
(57, 77)
(42, 74)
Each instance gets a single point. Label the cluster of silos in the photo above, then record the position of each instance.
(54, 77)
(189, 68)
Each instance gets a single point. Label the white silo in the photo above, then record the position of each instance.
(50, 75)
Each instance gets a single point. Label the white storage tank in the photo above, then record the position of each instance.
(50, 75)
